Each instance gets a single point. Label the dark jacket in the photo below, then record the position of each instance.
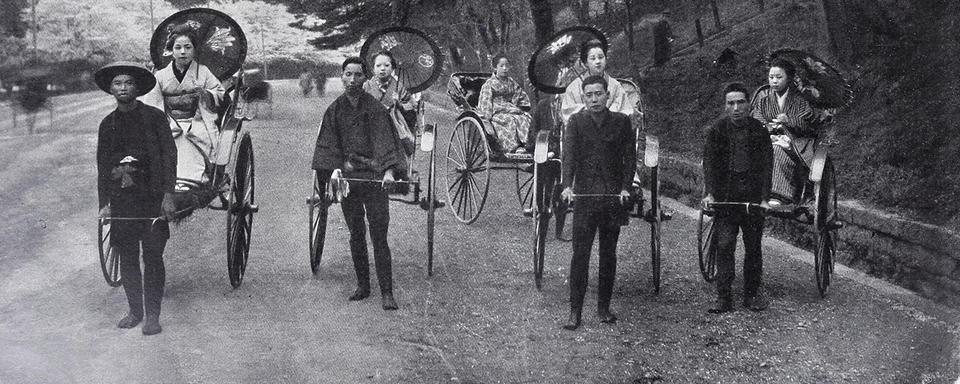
(546, 116)
(363, 135)
(598, 158)
(157, 150)
(719, 160)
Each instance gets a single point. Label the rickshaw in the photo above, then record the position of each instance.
(419, 64)
(257, 93)
(817, 205)
(233, 192)
(550, 70)
(470, 155)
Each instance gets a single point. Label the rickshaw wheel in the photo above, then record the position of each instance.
(240, 212)
(655, 222)
(541, 220)
(109, 255)
(562, 210)
(319, 208)
(525, 193)
(540, 203)
(706, 248)
(467, 169)
(825, 199)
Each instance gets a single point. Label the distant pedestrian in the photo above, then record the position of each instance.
(306, 83)
(737, 163)
(136, 175)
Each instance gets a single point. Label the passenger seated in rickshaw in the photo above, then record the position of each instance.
(385, 87)
(503, 106)
(794, 127)
(191, 95)
(593, 54)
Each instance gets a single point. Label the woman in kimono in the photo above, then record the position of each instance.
(503, 105)
(593, 54)
(190, 95)
(385, 87)
(789, 119)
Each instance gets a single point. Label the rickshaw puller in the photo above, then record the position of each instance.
(358, 137)
(737, 167)
(599, 158)
(136, 174)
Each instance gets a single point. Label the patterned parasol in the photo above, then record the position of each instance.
(557, 63)
(419, 61)
(222, 45)
(821, 84)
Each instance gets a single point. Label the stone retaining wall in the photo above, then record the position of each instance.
(921, 257)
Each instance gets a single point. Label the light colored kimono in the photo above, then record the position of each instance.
(572, 100)
(192, 122)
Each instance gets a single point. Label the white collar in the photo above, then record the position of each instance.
(782, 99)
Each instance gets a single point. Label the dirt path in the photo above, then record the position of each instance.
(478, 320)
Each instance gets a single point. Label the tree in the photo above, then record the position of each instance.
(269, 31)
(854, 25)
(11, 20)
(542, 20)
(342, 23)
(99, 29)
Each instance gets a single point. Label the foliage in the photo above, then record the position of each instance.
(269, 33)
(12, 23)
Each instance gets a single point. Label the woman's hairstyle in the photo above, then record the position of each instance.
(182, 30)
(594, 79)
(734, 87)
(496, 59)
(393, 60)
(354, 60)
(786, 66)
(587, 46)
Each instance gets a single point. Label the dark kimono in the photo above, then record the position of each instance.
(363, 135)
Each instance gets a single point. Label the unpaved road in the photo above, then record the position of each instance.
(478, 319)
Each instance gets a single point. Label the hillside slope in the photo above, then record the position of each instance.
(898, 141)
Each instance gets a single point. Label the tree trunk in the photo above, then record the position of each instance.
(581, 8)
(716, 14)
(542, 20)
(629, 24)
(854, 25)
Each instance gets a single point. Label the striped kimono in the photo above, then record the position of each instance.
(790, 165)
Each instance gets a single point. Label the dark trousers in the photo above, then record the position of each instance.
(367, 200)
(727, 226)
(144, 290)
(586, 224)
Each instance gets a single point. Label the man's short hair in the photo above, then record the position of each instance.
(354, 60)
(734, 87)
(594, 79)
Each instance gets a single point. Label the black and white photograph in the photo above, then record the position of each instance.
(479, 191)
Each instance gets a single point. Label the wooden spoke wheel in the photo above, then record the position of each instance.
(109, 255)
(467, 169)
(706, 247)
(240, 209)
(319, 208)
(826, 223)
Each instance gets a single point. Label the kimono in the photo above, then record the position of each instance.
(572, 100)
(397, 101)
(794, 150)
(499, 107)
(192, 121)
